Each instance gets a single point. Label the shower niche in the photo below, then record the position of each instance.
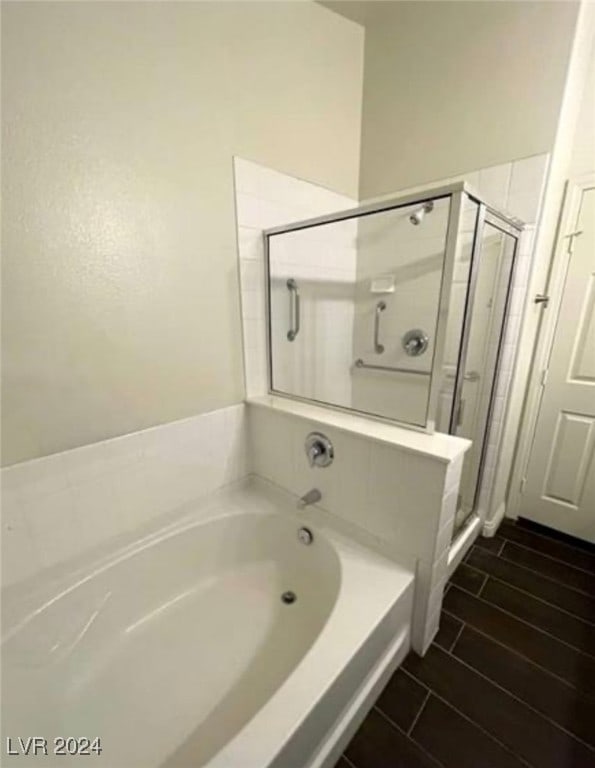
(396, 310)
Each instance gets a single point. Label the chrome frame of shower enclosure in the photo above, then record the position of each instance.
(455, 219)
(494, 220)
(426, 195)
(455, 192)
(465, 325)
(452, 191)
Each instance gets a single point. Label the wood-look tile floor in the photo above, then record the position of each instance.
(510, 678)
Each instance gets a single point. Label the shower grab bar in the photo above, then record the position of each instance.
(359, 363)
(294, 309)
(380, 307)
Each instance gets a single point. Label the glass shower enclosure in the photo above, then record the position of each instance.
(397, 310)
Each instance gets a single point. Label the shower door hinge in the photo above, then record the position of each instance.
(523, 483)
(544, 375)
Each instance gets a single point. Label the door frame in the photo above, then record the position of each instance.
(574, 188)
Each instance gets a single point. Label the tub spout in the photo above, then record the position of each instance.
(312, 497)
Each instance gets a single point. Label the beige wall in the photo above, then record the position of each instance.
(583, 145)
(453, 86)
(121, 305)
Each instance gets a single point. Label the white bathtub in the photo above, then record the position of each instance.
(179, 651)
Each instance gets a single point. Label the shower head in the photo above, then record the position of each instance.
(417, 217)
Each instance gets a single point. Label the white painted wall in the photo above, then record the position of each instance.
(449, 87)
(119, 269)
(583, 142)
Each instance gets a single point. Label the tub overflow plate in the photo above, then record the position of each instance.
(305, 535)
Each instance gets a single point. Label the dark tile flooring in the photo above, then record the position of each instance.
(510, 678)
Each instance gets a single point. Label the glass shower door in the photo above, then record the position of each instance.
(486, 314)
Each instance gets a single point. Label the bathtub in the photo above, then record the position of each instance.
(180, 649)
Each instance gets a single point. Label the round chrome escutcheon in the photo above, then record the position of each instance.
(305, 535)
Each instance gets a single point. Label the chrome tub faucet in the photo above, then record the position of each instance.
(312, 497)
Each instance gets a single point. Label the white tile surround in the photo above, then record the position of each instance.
(59, 506)
(402, 496)
(70, 506)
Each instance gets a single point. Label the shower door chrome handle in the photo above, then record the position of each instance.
(294, 309)
(380, 307)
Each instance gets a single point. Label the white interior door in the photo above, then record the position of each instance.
(559, 487)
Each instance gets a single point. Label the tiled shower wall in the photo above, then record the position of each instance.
(321, 263)
(410, 258)
(59, 506)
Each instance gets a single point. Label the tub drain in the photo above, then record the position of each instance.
(288, 597)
